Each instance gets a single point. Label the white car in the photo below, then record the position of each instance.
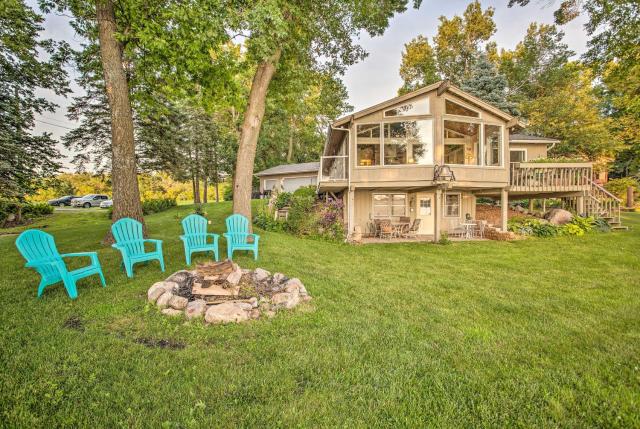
(106, 204)
(91, 200)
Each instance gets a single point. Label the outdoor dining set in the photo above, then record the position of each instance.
(403, 227)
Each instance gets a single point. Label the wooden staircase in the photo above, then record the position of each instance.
(600, 203)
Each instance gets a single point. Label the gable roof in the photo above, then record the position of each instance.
(305, 167)
(524, 138)
(443, 86)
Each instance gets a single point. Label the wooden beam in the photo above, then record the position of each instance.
(443, 87)
(512, 122)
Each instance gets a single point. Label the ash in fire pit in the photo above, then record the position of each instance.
(222, 292)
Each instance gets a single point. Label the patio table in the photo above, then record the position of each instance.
(468, 229)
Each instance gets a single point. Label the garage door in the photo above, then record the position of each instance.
(293, 183)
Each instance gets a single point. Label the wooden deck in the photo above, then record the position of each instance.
(538, 177)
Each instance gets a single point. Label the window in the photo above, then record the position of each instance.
(461, 143)
(492, 145)
(368, 144)
(452, 205)
(451, 108)
(418, 107)
(388, 205)
(408, 142)
(269, 184)
(292, 183)
(518, 155)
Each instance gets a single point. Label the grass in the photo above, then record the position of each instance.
(539, 332)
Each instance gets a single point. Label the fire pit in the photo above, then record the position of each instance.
(222, 292)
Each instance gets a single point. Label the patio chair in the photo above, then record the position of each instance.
(196, 237)
(386, 229)
(455, 229)
(480, 227)
(413, 229)
(238, 236)
(39, 250)
(130, 242)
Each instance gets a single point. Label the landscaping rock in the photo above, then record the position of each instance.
(558, 216)
(285, 299)
(178, 302)
(261, 275)
(254, 314)
(163, 301)
(171, 312)
(225, 313)
(195, 309)
(181, 278)
(295, 285)
(279, 278)
(155, 291)
(253, 301)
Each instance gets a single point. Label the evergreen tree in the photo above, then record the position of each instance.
(486, 83)
(26, 159)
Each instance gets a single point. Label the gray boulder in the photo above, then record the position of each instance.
(163, 301)
(195, 309)
(285, 299)
(178, 302)
(558, 216)
(227, 312)
(171, 312)
(261, 275)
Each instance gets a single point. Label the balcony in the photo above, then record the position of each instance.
(333, 173)
(538, 177)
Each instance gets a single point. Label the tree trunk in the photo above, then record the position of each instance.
(249, 133)
(196, 166)
(290, 149)
(205, 186)
(124, 178)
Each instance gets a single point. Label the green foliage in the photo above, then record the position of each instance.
(558, 160)
(283, 200)
(157, 205)
(308, 216)
(578, 226)
(22, 211)
(418, 68)
(26, 159)
(486, 83)
(618, 187)
(444, 238)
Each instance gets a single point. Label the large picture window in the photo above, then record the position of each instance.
(389, 205)
(417, 107)
(368, 144)
(452, 205)
(408, 142)
(461, 143)
(492, 145)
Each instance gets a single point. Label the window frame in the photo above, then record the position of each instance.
(502, 145)
(390, 205)
(397, 106)
(524, 150)
(357, 165)
(444, 204)
(463, 104)
(480, 124)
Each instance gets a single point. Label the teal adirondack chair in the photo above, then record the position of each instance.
(39, 249)
(195, 238)
(130, 242)
(237, 235)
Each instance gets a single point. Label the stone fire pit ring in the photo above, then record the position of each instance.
(222, 292)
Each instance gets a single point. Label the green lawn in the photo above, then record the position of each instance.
(542, 333)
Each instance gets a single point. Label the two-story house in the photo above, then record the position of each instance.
(387, 161)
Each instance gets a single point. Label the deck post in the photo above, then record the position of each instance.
(350, 211)
(580, 205)
(504, 207)
(531, 201)
(438, 211)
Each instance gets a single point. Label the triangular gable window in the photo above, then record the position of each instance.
(417, 107)
(452, 108)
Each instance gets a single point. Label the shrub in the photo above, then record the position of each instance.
(157, 205)
(618, 187)
(444, 238)
(283, 199)
(22, 211)
(264, 219)
(531, 226)
(227, 195)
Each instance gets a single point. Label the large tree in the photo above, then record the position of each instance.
(459, 40)
(418, 67)
(486, 83)
(26, 159)
(316, 35)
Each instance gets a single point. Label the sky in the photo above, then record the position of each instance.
(376, 78)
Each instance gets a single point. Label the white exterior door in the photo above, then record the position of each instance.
(425, 211)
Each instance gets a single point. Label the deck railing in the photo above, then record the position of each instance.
(550, 177)
(333, 168)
